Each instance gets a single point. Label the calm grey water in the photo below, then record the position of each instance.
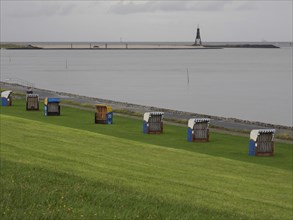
(252, 84)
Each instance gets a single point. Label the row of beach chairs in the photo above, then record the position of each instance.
(261, 141)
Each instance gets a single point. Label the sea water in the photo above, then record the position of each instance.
(250, 84)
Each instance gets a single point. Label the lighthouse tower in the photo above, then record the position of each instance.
(197, 39)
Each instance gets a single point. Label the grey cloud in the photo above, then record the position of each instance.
(131, 7)
(244, 6)
(37, 9)
(65, 10)
(175, 6)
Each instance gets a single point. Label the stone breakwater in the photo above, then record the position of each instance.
(175, 115)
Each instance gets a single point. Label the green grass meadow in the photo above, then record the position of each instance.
(67, 167)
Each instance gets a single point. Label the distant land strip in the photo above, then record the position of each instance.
(243, 46)
(125, 46)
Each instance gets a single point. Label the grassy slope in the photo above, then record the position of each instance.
(68, 167)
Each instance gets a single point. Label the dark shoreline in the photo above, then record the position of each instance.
(244, 46)
(208, 48)
(230, 124)
(142, 47)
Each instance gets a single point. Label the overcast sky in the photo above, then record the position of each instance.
(145, 20)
